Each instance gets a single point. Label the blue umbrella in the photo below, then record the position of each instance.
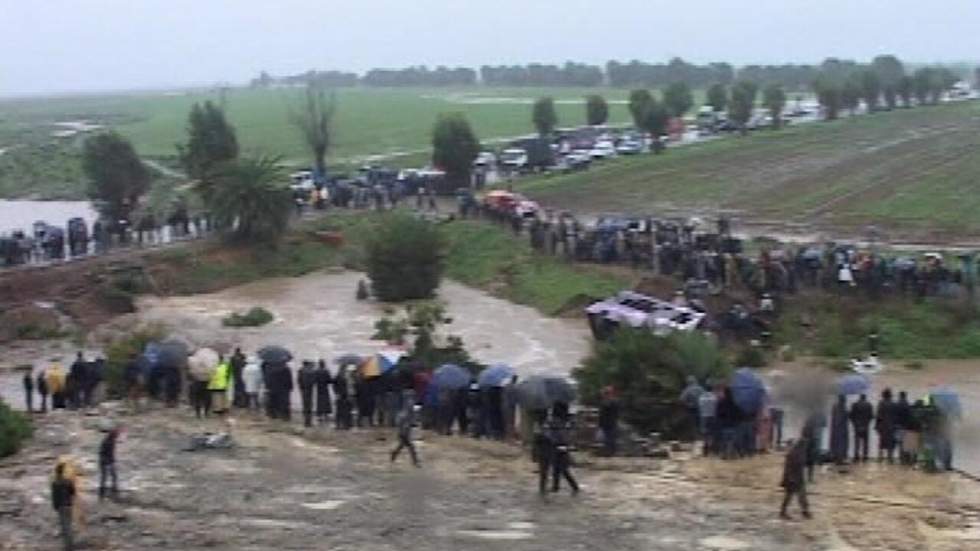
(748, 390)
(947, 401)
(854, 383)
(495, 375)
(451, 376)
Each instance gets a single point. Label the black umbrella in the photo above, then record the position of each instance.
(348, 359)
(172, 353)
(274, 354)
(543, 391)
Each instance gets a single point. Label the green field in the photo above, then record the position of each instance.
(368, 122)
(915, 173)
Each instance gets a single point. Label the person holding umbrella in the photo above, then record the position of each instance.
(861, 415)
(838, 431)
(559, 430)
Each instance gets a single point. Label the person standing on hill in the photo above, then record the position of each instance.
(861, 415)
(239, 400)
(885, 426)
(838, 431)
(42, 390)
(62, 499)
(794, 481)
(218, 387)
(107, 465)
(307, 380)
(609, 420)
(324, 407)
(29, 391)
(252, 379)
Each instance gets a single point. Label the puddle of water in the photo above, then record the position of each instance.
(328, 505)
(724, 543)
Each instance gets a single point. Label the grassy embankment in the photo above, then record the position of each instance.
(912, 171)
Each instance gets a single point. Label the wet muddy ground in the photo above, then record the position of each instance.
(286, 488)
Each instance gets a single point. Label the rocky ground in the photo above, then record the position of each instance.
(286, 488)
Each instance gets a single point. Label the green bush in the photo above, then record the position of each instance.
(750, 356)
(405, 259)
(650, 372)
(255, 317)
(123, 350)
(14, 429)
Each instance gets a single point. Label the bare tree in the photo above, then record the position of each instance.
(313, 118)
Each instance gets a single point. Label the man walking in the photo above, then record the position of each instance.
(107, 465)
(62, 498)
(559, 430)
(794, 481)
(307, 380)
(406, 421)
(861, 415)
(29, 391)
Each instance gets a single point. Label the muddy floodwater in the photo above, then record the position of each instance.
(318, 316)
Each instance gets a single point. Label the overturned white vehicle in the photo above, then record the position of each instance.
(636, 310)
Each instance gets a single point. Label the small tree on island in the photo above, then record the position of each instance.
(649, 373)
(405, 259)
(596, 110)
(544, 117)
(422, 322)
(116, 175)
(454, 147)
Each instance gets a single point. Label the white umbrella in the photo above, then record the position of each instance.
(203, 364)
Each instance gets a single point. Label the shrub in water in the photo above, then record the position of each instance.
(253, 318)
(405, 259)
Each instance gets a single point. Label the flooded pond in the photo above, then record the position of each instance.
(318, 316)
(21, 215)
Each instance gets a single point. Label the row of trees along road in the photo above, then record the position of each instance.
(247, 197)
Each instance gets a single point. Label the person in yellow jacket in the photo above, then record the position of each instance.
(55, 379)
(218, 387)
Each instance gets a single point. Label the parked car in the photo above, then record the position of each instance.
(514, 158)
(485, 159)
(629, 147)
(603, 150)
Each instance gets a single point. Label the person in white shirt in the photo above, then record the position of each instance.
(252, 375)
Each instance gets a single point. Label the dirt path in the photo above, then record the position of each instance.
(288, 489)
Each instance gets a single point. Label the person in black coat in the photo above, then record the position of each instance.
(271, 395)
(905, 422)
(237, 364)
(609, 420)
(341, 389)
(285, 382)
(29, 391)
(75, 381)
(42, 390)
(306, 377)
(323, 381)
(728, 416)
(861, 416)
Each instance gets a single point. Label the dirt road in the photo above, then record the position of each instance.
(287, 489)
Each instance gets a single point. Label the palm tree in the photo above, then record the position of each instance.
(249, 196)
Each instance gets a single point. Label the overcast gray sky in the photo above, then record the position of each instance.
(51, 46)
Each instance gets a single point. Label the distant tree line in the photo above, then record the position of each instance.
(537, 74)
(632, 74)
